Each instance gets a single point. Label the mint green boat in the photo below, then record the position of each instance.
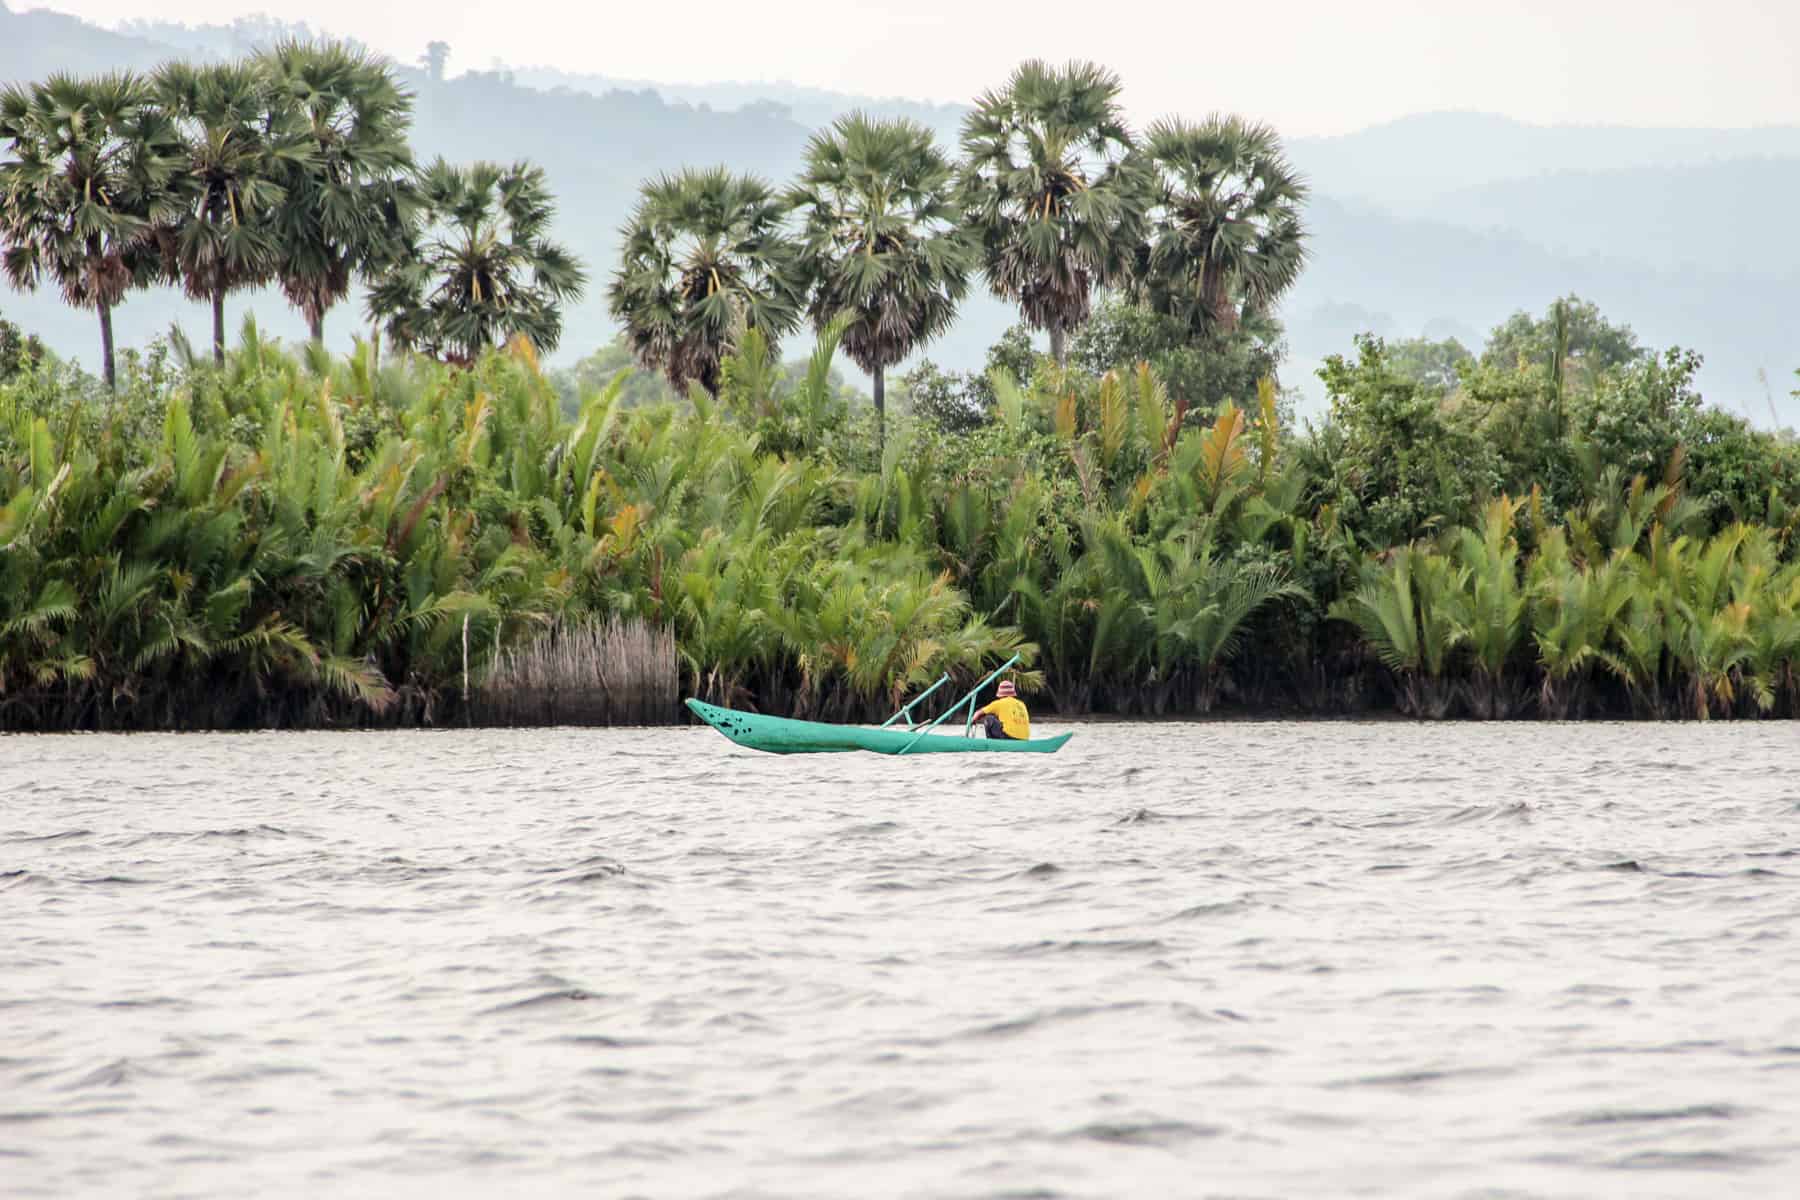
(784, 735)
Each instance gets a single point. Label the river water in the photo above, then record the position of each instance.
(1244, 960)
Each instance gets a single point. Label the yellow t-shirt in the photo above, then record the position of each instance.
(1013, 717)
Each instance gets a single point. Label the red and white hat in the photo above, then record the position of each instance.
(1006, 688)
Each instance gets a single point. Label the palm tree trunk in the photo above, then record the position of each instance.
(218, 307)
(106, 346)
(316, 321)
(880, 408)
(1056, 341)
(1217, 298)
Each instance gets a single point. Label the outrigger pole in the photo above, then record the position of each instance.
(968, 700)
(907, 711)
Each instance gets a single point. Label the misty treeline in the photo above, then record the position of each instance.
(289, 167)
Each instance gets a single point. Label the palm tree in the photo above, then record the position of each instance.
(1492, 606)
(1053, 184)
(238, 141)
(1405, 610)
(1225, 235)
(704, 258)
(86, 190)
(484, 272)
(346, 206)
(1574, 612)
(882, 239)
(1199, 609)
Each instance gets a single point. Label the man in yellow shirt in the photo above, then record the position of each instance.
(1006, 717)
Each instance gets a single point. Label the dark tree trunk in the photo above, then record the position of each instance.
(106, 346)
(218, 307)
(1056, 342)
(317, 323)
(880, 408)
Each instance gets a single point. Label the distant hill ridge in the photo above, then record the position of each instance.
(1436, 222)
(1400, 163)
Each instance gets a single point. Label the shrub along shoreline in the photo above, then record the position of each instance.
(295, 540)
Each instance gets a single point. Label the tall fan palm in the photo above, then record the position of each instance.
(87, 187)
(704, 258)
(1052, 182)
(1225, 233)
(882, 241)
(238, 140)
(484, 270)
(348, 204)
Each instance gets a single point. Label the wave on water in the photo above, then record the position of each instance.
(1084, 946)
(21, 839)
(565, 996)
(588, 870)
(1639, 1116)
(116, 1073)
(1043, 1019)
(1150, 816)
(1519, 812)
(1213, 911)
(1424, 1077)
(1144, 1133)
(1687, 1160)
(871, 829)
(233, 834)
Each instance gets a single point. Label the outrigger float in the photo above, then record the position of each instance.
(896, 735)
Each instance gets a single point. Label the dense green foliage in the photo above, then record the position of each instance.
(295, 540)
(282, 541)
(18, 350)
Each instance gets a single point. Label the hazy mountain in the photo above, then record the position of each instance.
(37, 42)
(245, 35)
(1439, 225)
(811, 107)
(1729, 215)
(1410, 165)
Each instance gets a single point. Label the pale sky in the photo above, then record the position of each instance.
(1308, 66)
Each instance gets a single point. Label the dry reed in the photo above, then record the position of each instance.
(597, 673)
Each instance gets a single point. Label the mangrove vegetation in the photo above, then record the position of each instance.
(436, 529)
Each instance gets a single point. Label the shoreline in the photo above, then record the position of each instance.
(1260, 717)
